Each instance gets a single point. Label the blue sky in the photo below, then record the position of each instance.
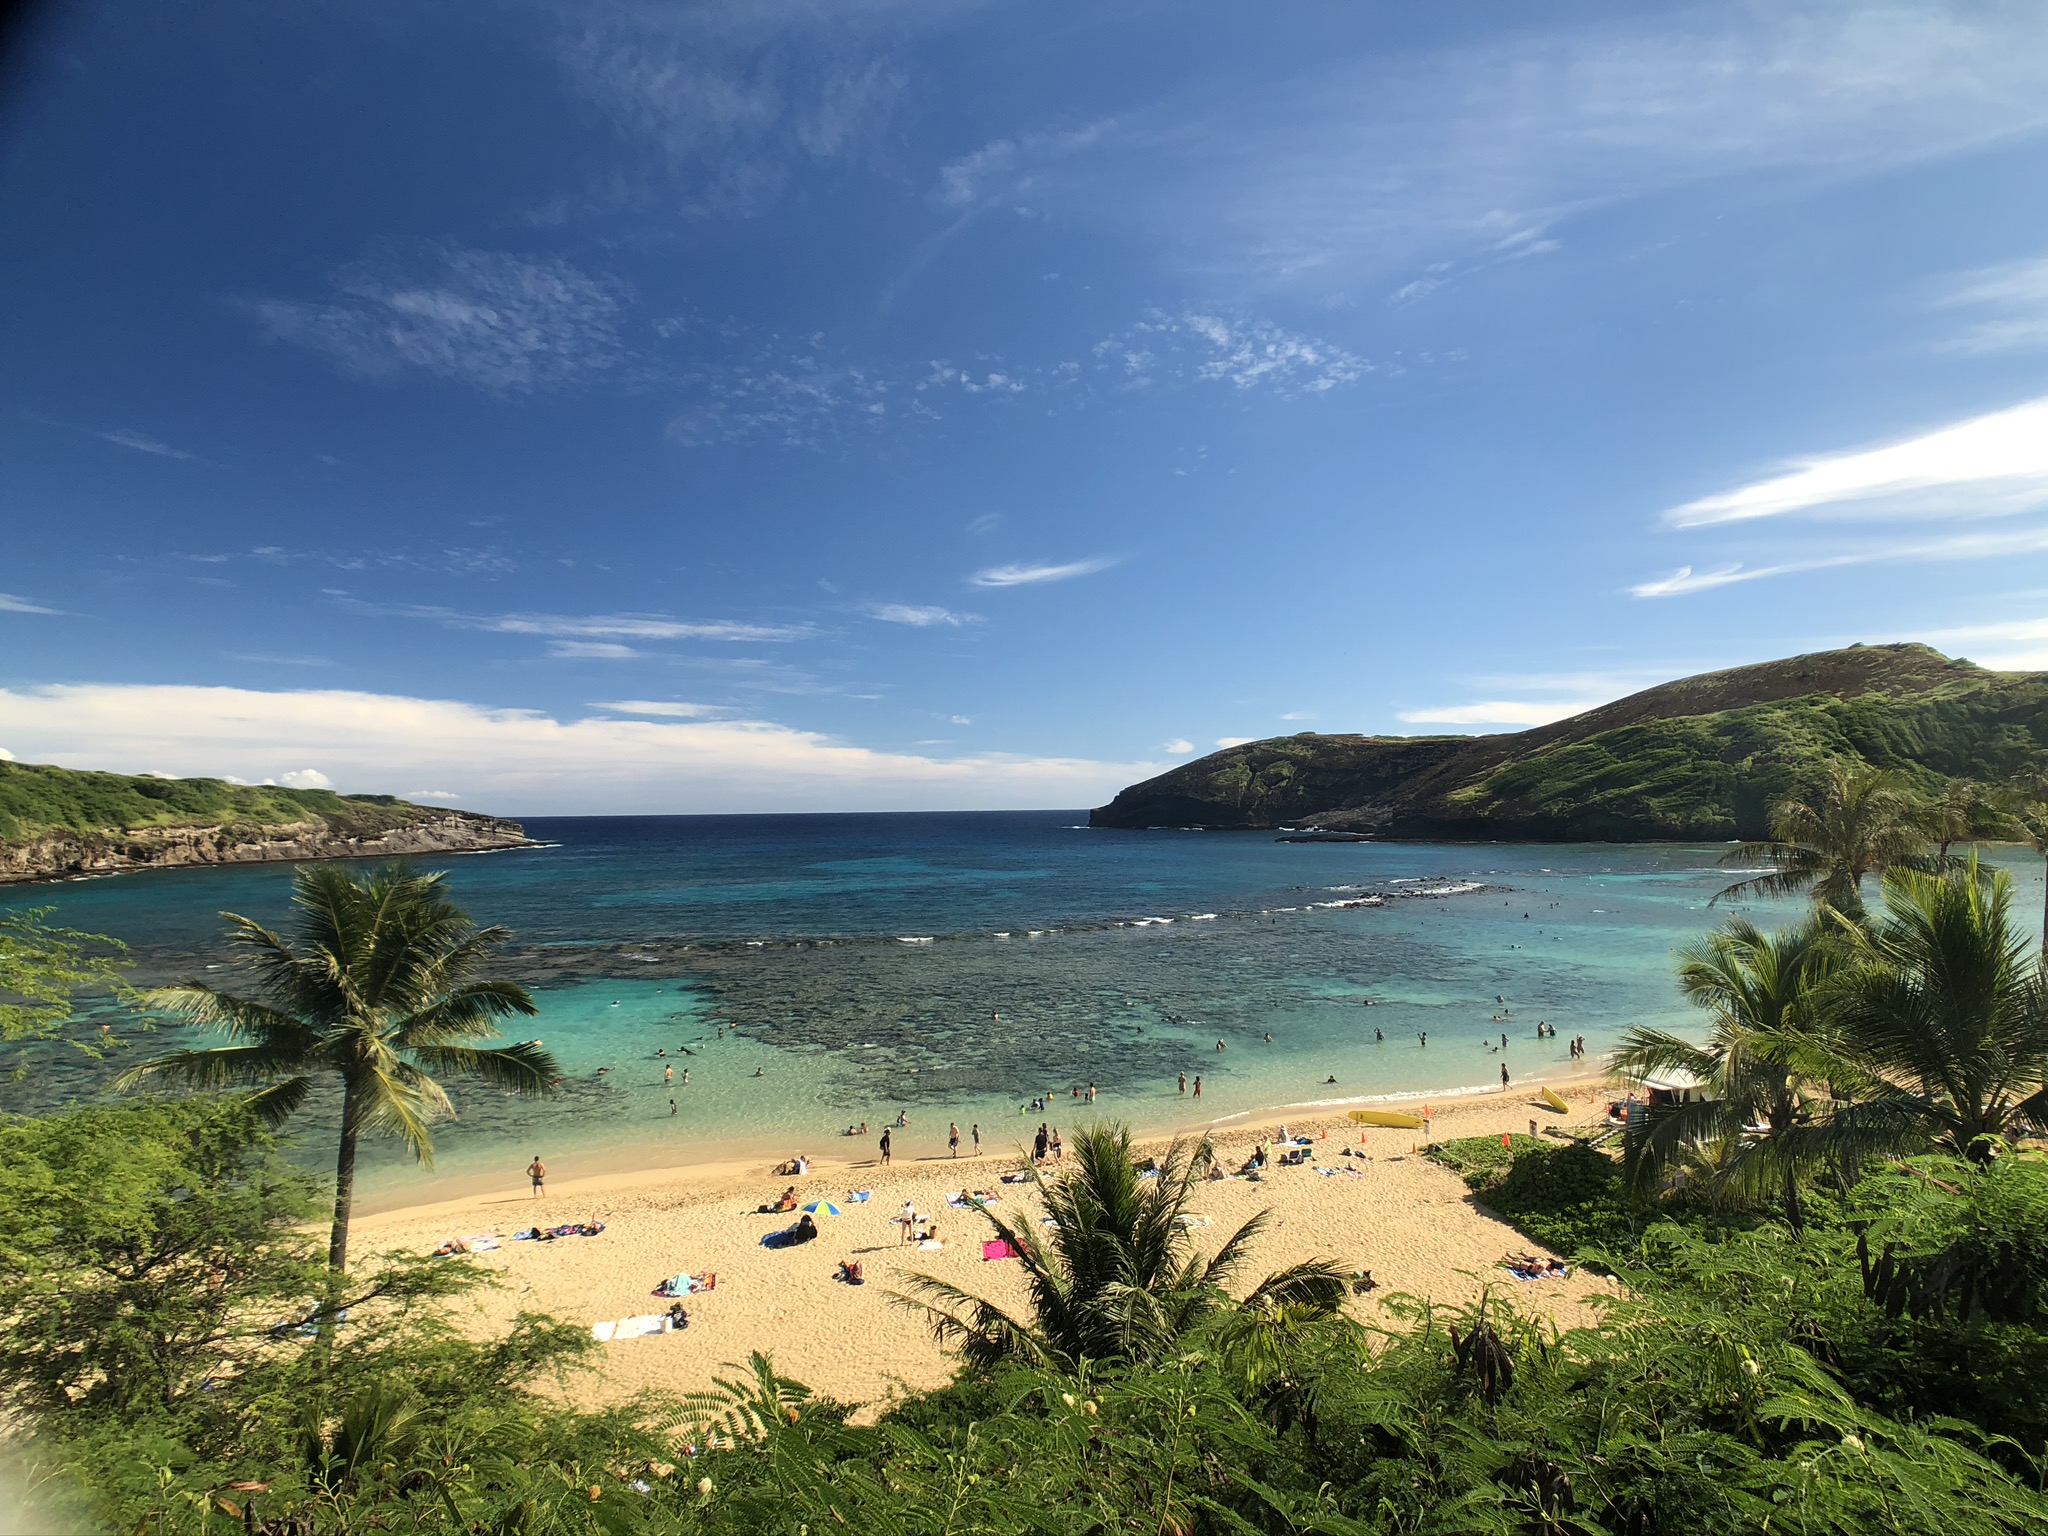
(928, 403)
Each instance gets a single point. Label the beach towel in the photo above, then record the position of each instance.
(859, 1196)
(1016, 1178)
(645, 1325)
(1522, 1275)
(997, 1248)
(1189, 1219)
(931, 1245)
(967, 1205)
(687, 1284)
(1328, 1173)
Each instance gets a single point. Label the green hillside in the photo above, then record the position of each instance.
(37, 800)
(1701, 758)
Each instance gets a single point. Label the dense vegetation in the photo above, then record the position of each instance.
(1703, 758)
(161, 1331)
(37, 799)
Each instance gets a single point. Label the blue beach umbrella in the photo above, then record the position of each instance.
(823, 1208)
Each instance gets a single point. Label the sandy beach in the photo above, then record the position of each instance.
(1409, 1221)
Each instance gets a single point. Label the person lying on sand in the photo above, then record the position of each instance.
(1531, 1267)
(850, 1271)
(786, 1201)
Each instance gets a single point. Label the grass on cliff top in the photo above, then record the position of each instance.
(37, 799)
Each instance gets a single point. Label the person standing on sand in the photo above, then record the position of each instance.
(952, 1139)
(1059, 1151)
(1038, 1146)
(885, 1146)
(977, 1138)
(1503, 1077)
(538, 1172)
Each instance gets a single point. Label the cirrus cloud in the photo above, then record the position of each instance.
(1031, 575)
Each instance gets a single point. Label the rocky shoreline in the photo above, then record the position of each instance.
(80, 855)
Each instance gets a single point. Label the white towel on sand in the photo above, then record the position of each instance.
(647, 1323)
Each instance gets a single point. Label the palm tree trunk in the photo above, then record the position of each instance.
(344, 1183)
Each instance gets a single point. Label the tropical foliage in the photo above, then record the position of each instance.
(1761, 993)
(1118, 1278)
(378, 989)
(1882, 1373)
(1861, 823)
(1943, 1007)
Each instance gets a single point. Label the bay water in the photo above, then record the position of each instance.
(814, 973)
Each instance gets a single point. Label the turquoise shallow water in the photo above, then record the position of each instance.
(825, 970)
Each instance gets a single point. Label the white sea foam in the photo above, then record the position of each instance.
(927, 939)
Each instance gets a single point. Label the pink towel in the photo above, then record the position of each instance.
(997, 1248)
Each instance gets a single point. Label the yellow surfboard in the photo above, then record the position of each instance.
(1556, 1103)
(1388, 1117)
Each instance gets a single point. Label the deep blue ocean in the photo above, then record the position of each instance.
(812, 972)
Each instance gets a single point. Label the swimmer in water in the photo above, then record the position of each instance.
(759, 1073)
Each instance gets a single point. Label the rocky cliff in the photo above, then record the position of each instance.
(1699, 759)
(59, 823)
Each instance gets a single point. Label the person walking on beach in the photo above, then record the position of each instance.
(1503, 1077)
(952, 1139)
(885, 1146)
(977, 1138)
(1058, 1150)
(538, 1172)
(1038, 1146)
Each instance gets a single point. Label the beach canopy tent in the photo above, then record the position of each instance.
(1676, 1086)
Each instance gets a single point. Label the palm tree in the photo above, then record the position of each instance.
(377, 987)
(1118, 1278)
(1760, 990)
(2029, 815)
(1862, 823)
(1965, 812)
(1944, 1007)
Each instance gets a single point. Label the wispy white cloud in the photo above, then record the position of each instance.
(1246, 353)
(1298, 714)
(1234, 741)
(1180, 746)
(667, 709)
(2016, 296)
(501, 323)
(1007, 169)
(2016, 645)
(1412, 154)
(525, 762)
(9, 603)
(601, 626)
(1031, 575)
(729, 101)
(1989, 465)
(1515, 712)
(123, 437)
(273, 659)
(591, 650)
(1964, 546)
(920, 616)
